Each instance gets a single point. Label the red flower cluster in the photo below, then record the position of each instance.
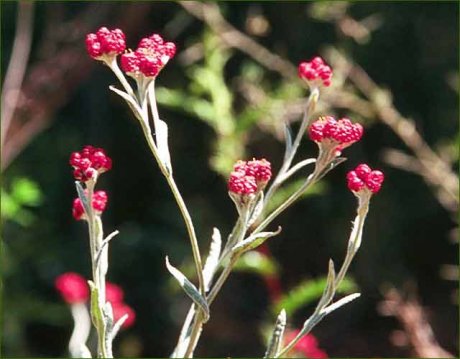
(72, 287)
(89, 162)
(307, 346)
(338, 133)
(99, 203)
(249, 177)
(315, 71)
(105, 43)
(364, 178)
(114, 294)
(150, 57)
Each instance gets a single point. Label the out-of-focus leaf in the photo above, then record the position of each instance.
(308, 291)
(23, 193)
(26, 192)
(258, 263)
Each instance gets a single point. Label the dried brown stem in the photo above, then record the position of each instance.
(410, 314)
(17, 64)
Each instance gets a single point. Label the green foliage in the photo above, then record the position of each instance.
(308, 291)
(23, 193)
(257, 263)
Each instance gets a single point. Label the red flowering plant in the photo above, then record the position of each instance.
(251, 185)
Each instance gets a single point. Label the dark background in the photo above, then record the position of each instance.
(408, 234)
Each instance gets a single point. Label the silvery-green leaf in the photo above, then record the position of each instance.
(340, 303)
(212, 261)
(189, 289)
(257, 209)
(108, 325)
(96, 314)
(276, 340)
(298, 166)
(329, 289)
(82, 196)
(288, 139)
(254, 241)
(117, 326)
(129, 100)
(161, 130)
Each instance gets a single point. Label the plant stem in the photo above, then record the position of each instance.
(309, 108)
(177, 195)
(95, 239)
(119, 74)
(353, 246)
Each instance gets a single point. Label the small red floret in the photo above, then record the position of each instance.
(105, 42)
(363, 177)
(315, 71)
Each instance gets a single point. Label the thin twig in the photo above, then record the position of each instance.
(17, 65)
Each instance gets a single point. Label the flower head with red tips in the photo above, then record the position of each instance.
(332, 134)
(247, 180)
(89, 163)
(316, 72)
(105, 44)
(99, 203)
(364, 179)
(151, 55)
(72, 287)
(249, 177)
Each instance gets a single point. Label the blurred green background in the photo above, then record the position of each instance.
(223, 103)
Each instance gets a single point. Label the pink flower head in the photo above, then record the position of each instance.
(119, 310)
(72, 287)
(307, 346)
(338, 134)
(105, 43)
(89, 162)
(249, 177)
(99, 203)
(363, 178)
(315, 72)
(151, 55)
(114, 293)
(241, 184)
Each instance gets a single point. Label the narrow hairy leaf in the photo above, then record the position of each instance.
(276, 340)
(288, 139)
(257, 209)
(96, 314)
(340, 303)
(329, 290)
(254, 241)
(82, 196)
(189, 289)
(117, 326)
(129, 100)
(212, 261)
(161, 130)
(307, 292)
